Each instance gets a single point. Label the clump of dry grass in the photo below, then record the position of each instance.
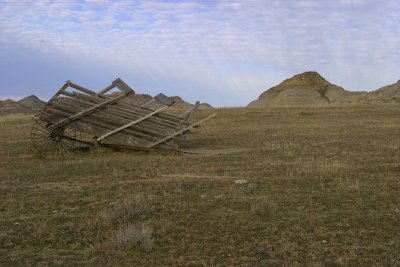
(132, 236)
(264, 207)
(131, 208)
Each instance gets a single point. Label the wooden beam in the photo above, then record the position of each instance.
(181, 131)
(86, 112)
(165, 100)
(130, 124)
(128, 112)
(188, 115)
(173, 121)
(121, 85)
(111, 122)
(148, 103)
(108, 88)
(95, 126)
(81, 88)
(65, 86)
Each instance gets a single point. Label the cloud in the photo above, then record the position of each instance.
(209, 49)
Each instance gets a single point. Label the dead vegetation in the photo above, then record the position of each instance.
(135, 207)
(322, 190)
(264, 207)
(133, 236)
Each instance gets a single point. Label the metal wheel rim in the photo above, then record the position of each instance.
(58, 141)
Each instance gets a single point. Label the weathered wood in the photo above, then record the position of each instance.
(130, 124)
(148, 103)
(111, 124)
(113, 120)
(107, 89)
(155, 123)
(165, 100)
(181, 131)
(94, 127)
(65, 86)
(188, 115)
(133, 110)
(80, 88)
(121, 85)
(86, 112)
(117, 120)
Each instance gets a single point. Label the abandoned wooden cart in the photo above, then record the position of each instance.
(109, 119)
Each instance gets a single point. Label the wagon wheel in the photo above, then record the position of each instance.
(59, 140)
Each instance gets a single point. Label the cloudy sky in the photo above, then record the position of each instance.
(222, 52)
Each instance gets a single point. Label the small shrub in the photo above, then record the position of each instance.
(264, 207)
(131, 236)
(130, 209)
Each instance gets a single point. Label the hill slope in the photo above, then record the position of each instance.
(32, 102)
(386, 94)
(28, 105)
(308, 88)
(11, 107)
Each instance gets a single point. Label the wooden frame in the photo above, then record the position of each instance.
(113, 119)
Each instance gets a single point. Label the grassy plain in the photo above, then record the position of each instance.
(323, 189)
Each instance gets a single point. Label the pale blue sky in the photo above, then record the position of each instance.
(222, 52)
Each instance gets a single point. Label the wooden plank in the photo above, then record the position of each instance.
(133, 110)
(129, 105)
(121, 85)
(111, 124)
(65, 86)
(87, 111)
(188, 115)
(148, 103)
(86, 126)
(130, 124)
(115, 121)
(165, 100)
(80, 88)
(101, 117)
(108, 88)
(182, 131)
(94, 127)
(154, 123)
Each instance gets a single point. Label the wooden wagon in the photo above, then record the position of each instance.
(115, 120)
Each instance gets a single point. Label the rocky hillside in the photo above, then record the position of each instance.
(27, 105)
(386, 94)
(308, 88)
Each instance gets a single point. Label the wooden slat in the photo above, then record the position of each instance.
(65, 86)
(132, 109)
(188, 115)
(87, 111)
(108, 88)
(94, 127)
(148, 103)
(130, 124)
(121, 85)
(111, 124)
(154, 123)
(181, 131)
(165, 100)
(80, 88)
(115, 121)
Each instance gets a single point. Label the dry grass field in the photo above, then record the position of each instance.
(323, 189)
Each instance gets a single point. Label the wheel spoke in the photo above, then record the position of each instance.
(58, 141)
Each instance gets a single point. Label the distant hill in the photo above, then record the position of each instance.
(386, 94)
(32, 102)
(27, 105)
(308, 88)
(12, 107)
